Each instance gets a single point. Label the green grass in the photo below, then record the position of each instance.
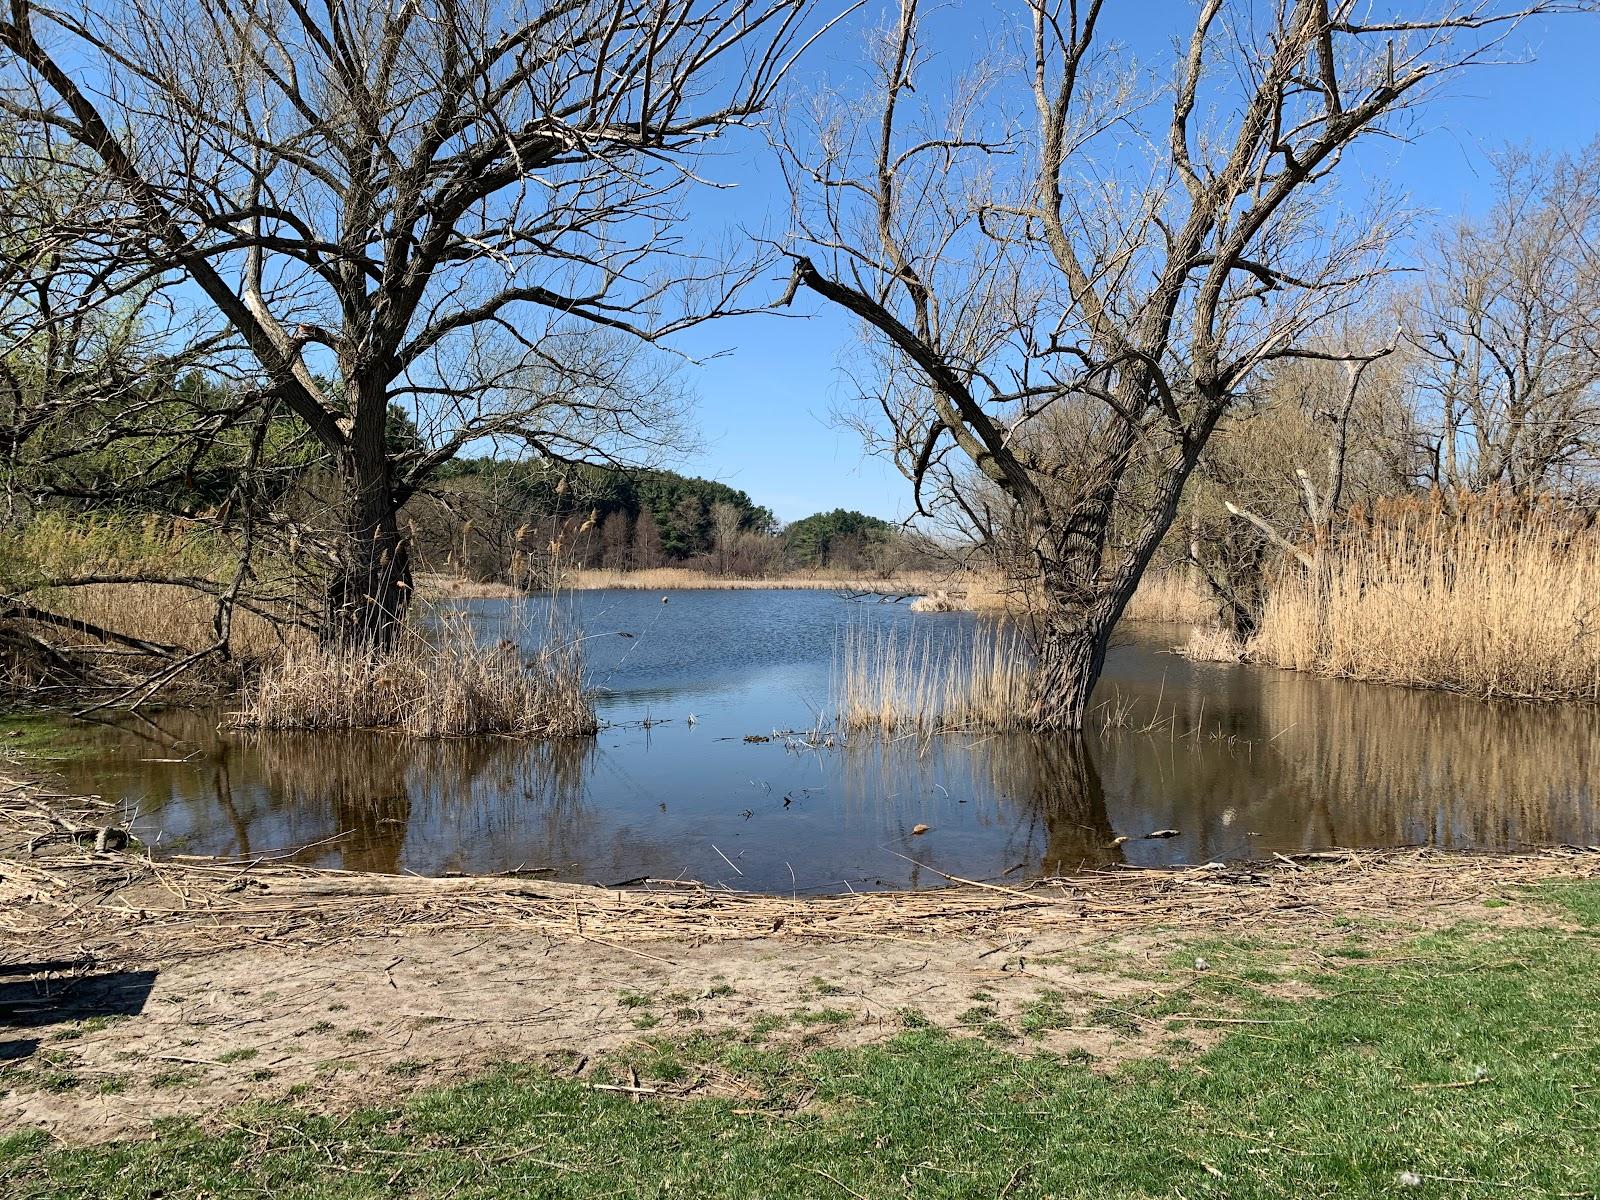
(1341, 1095)
(1047, 1011)
(177, 1078)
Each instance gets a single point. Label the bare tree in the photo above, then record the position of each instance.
(1063, 305)
(88, 351)
(99, 401)
(422, 203)
(646, 552)
(726, 520)
(1325, 385)
(1506, 331)
(616, 533)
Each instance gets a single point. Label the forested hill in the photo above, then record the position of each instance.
(624, 519)
(680, 505)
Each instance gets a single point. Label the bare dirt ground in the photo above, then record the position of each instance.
(133, 990)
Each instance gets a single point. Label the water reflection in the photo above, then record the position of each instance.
(1255, 760)
(1038, 803)
(1241, 761)
(368, 802)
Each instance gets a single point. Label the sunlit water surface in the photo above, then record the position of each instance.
(1242, 762)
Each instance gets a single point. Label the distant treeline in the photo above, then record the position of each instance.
(482, 518)
(489, 519)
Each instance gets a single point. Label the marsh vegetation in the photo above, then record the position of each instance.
(423, 784)
(254, 395)
(441, 680)
(250, 392)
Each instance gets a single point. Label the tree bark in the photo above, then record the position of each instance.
(371, 584)
(1084, 601)
(1070, 651)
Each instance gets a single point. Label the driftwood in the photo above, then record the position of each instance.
(12, 609)
(85, 821)
(61, 828)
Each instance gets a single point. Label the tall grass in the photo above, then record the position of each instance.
(922, 681)
(54, 545)
(442, 681)
(1497, 602)
(969, 591)
(1212, 643)
(51, 548)
(172, 615)
(959, 591)
(1173, 595)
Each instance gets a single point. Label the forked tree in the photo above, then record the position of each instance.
(1071, 267)
(423, 202)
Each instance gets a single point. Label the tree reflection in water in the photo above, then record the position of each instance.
(1041, 796)
(352, 800)
(1244, 763)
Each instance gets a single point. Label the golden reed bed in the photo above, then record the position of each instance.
(1496, 602)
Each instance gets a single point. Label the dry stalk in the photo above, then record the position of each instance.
(181, 907)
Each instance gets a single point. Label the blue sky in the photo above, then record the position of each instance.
(766, 402)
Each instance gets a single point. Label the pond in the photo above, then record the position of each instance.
(1245, 762)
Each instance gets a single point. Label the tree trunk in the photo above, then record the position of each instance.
(1084, 602)
(1070, 652)
(371, 586)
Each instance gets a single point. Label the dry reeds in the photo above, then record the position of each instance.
(439, 682)
(46, 557)
(433, 586)
(1212, 643)
(54, 546)
(961, 591)
(920, 681)
(969, 591)
(1173, 595)
(173, 615)
(1500, 600)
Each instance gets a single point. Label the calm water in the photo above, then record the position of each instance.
(1251, 762)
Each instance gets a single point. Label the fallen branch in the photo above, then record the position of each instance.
(20, 610)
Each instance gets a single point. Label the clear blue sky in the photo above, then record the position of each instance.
(765, 405)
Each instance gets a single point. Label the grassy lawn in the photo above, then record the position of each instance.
(1466, 1063)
